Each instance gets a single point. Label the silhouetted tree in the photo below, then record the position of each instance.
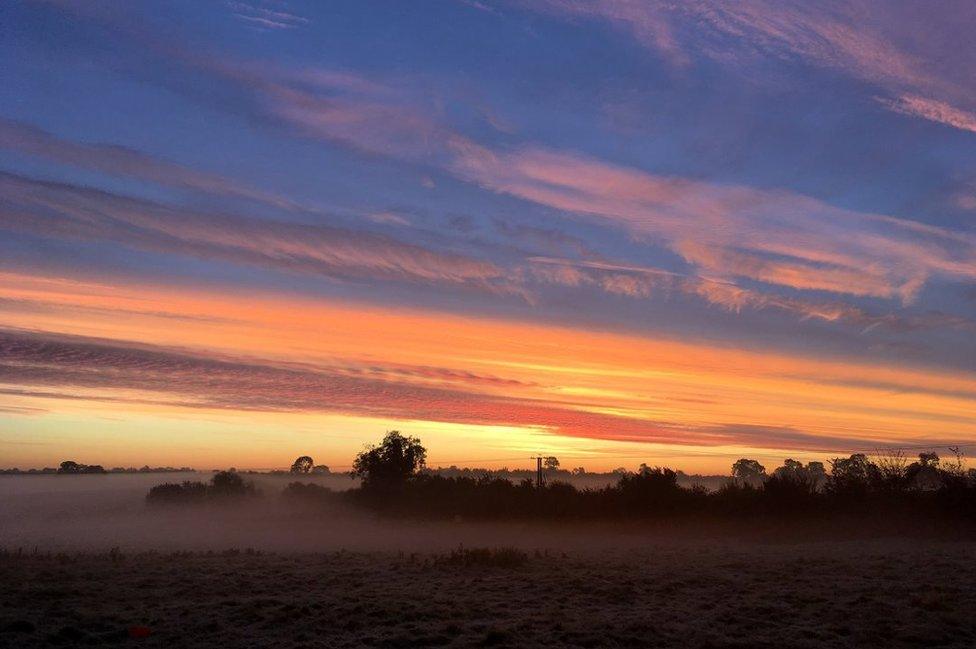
(852, 476)
(302, 464)
(818, 474)
(392, 463)
(177, 494)
(791, 470)
(69, 466)
(925, 474)
(230, 483)
(792, 487)
(892, 464)
(957, 465)
(794, 472)
(651, 489)
(748, 471)
(551, 463)
(320, 469)
(579, 471)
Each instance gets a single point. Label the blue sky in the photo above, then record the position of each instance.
(775, 177)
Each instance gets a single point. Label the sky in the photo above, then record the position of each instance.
(614, 231)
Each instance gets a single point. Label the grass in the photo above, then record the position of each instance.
(505, 557)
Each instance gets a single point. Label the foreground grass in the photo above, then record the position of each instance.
(892, 594)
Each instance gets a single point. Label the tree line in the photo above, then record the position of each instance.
(394, 482)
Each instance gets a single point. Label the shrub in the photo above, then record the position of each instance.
(230, 483)
(308, 492)
(223, 484)
(176, 494)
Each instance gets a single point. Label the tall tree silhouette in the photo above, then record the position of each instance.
(389, 465)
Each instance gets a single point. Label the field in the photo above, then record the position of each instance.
(689, 594)
(84, 562)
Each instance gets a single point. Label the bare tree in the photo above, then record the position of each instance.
(955, 467)
(892, 464)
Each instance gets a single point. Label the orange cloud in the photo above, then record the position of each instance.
(301, 356)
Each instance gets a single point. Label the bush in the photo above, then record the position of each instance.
(230, 483)
(225, 484)
(308, 492)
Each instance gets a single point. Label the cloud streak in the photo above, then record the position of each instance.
(772, 236)
(52, 366)
(194, 381)
(722, 231)
(264, 17)
(933, 111)
(643, 282)
(73, 212)
(873, 42)
(57, 209)
(125, 162)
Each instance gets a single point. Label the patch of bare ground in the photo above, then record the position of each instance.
(866, 594)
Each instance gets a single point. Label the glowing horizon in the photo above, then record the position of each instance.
(275, 241)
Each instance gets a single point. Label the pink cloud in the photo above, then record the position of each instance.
(642, 282)
(875, 42)
(932, 110)
(646, 21)
(776, 237)
(773, 236)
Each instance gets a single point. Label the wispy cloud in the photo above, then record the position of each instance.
(126, 162)
(266, 15)
(56, 209)
(773, 236)
(197, 381)
(932, 110)
(725, 231)
(867, 40)
(56, 366)
(643, 282)
(811, 31)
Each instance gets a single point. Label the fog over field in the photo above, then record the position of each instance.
(100, 512)
(89, 562)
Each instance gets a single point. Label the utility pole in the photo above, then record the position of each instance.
(540, 476)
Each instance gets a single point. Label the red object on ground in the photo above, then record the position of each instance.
(139, 632)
